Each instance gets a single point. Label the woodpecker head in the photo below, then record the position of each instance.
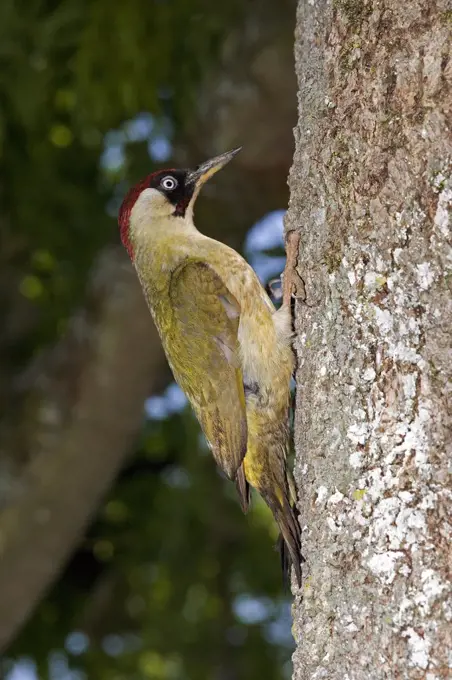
(166, 193)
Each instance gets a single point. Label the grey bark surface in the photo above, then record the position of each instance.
(371, 194)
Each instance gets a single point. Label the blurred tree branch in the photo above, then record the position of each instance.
(88, 411)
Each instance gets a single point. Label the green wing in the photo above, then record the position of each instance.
(203, 351)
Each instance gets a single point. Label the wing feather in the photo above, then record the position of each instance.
(204, 354)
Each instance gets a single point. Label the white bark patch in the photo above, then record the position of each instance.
(383, 565)
(322, 493)
(384, 320)
(419, 648)
(374, 280)
(424, 275)
(442, 216)
(432, 585)
(358, 433)
(333, 526)
(336, 497)
(355, 459)
(369, 375)
(409, 385)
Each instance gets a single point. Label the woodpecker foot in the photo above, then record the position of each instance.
(293, 284)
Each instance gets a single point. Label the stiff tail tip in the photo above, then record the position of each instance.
(243, 489)
(288, 561)
(289, 543)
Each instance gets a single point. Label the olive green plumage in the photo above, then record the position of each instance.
(228, 347)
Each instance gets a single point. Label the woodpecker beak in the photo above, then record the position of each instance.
(205, 171)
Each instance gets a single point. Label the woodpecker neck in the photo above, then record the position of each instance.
(159, 245)
(147, 231)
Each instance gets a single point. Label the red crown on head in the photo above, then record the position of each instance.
(126, 208)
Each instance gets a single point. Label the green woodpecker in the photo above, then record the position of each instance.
(227, 345)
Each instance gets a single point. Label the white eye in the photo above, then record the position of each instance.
(168, 183)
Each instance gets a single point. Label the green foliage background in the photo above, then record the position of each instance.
(171, 581)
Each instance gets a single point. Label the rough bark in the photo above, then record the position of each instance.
(78, 410)
(371, 193)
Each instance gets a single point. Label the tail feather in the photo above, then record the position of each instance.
(243, 489)
(286, 562)
(289, 541)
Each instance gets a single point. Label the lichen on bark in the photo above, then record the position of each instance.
(371, 193)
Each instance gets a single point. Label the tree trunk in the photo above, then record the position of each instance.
(371, 193)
